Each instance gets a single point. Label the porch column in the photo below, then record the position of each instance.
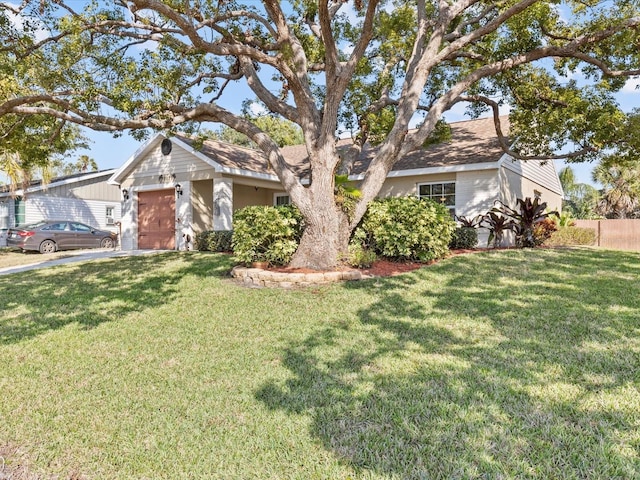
(184, 218)
(222, 203)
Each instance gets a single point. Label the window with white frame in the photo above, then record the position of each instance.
(281, 199)
(109, 215)
(441, 192)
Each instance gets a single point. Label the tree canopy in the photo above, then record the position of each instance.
(620, 196)
(580, 199)
(282, 132)
(373, 68)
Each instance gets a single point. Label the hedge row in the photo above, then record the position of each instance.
(567, 236)
(401, 228)
(404, 228)
(214, 241)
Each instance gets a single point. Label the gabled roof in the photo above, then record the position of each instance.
(38, 185)
(236, 157)
(473, 142)
(222, 157)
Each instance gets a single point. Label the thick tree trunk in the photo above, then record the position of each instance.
(325, 239)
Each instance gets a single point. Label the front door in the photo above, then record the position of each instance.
(157, 220)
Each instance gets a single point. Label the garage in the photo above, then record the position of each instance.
(157, 220)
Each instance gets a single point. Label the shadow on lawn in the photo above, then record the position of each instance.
(488, 366)
(95, 292)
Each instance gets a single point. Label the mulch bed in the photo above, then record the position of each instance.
(380, 268)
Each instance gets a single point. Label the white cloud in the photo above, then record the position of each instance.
(632, 85)
(18, 22)
(257, 109)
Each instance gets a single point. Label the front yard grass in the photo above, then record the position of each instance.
(12, 257)
(509, 364)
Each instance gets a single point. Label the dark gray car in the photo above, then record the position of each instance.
(48, 236)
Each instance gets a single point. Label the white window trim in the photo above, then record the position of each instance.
(280, 194)
(418, 185)
(452, 208)
(110, 220)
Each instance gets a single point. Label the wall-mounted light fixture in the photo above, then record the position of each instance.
(125, 194)
(178, 189)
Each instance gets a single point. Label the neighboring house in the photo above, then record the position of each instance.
(83, 197)
(172, 190)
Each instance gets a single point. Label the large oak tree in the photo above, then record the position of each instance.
(370, 66)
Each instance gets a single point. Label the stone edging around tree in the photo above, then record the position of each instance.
(258, 277)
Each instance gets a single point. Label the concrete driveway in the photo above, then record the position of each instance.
(75, 256)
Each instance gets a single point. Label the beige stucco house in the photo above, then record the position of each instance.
(171, 190)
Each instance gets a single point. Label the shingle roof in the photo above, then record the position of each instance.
(472, 141)
(34, 184)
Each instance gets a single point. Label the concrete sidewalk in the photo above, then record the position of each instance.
(72, 256)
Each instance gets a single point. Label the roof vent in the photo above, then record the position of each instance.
(165, 146)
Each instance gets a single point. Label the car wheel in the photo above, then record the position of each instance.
(107, 243)
(48, 246)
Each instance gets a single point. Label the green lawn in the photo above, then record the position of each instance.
(509, 364)
(11, 257)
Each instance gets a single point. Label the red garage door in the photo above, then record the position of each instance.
(157, 220)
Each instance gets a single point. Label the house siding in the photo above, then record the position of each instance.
(129, 228)
(86, 190)
(540, 173)
(202, 199)
(514, 186)
(6, 213)
(158, 172)
(83, 200)
(476, 193)
(244, 196)
(403, 186)
(91, 212)
(181, 163)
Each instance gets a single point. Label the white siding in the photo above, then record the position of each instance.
(129, 234)
(6, 207)
(181, 163)
(92, 212)
(476, 193)
(515, 186)
(92, 189)
(402, 186)
(542, 173)
(184, 218)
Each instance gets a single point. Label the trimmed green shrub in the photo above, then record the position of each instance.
(407, 228)
(463, 238)
(360, 257)
(214, 241)
(266, 234)
(566, 236)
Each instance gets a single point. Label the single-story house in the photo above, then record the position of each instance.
(83, 197)
(172, 190)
